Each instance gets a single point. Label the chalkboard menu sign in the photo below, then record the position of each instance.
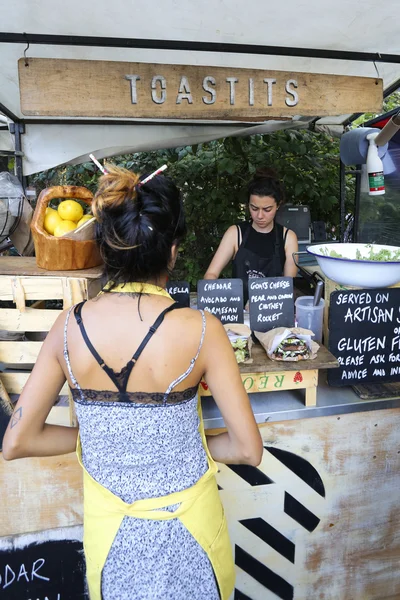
(33, 567)
(179, 291)
(364, 335)
(271, 303)
(222, 297)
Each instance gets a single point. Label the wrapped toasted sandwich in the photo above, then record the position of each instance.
(240, 338)
(288, 344)
(291, 348)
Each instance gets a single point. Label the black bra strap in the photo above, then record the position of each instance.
(78, 318)
(129, 366)
(153, 329)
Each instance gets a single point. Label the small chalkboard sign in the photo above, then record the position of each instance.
(179, 291)
(364, 335)
(271, 303)
(222, 297)
(39, 566)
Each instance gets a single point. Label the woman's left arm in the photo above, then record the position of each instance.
(27, 433)
(291, 246)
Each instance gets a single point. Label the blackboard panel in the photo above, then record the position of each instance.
(179, 291)
(364, 335)
(271, 303)
(222, 297)
(42, 569)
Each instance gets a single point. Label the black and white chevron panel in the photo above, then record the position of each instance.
(266, 506)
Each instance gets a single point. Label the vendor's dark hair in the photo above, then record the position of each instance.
(266, 182)
(136, 225)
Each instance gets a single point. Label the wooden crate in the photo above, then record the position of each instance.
(21, 282)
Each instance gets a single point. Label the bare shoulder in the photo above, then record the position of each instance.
(193, 317)
(58, 327)
(187, 316)
(214, 327)
(231, 232)
(291, 236)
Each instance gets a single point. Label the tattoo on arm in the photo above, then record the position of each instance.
(17, 416)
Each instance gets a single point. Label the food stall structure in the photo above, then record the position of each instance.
(319, 518)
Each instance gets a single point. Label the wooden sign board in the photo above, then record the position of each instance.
(93, 88)
(179, 291)
(222, 298)
(271, 303)
(364, 335)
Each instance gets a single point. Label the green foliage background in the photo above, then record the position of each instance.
(213, 179)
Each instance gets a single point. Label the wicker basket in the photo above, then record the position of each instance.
(62, 254)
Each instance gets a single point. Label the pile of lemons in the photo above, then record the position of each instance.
(68, 216)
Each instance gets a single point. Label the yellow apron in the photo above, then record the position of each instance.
(200, 511)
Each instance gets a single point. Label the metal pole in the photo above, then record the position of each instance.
(342, 175)
(17, 129)
(357, 196)
(193, 46)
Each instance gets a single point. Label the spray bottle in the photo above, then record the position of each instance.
(375, 168)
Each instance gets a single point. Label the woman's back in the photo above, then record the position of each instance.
(144, 443)
(135, 443)
(154, 526)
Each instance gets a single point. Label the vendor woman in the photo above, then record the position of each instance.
(259, 247)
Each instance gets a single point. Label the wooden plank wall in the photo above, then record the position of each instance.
(335, 536)
(319, 519)
(35, 321)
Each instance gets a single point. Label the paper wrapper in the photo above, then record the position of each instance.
(238, 331)
(270, 340)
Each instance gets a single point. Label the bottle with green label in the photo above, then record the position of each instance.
(376, 177)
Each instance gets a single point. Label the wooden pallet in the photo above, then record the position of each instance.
(28, 288)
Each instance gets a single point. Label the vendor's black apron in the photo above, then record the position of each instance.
(247, 263)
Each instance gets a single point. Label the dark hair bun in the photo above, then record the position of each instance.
(137, 225)
(266, 182)
(266, 173)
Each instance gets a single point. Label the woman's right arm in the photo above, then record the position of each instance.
(241, 443)
(224, 254)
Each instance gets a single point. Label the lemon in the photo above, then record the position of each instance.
(51, 220)
(49, 210)
(64, 227)
(70, 210)
(84, 219)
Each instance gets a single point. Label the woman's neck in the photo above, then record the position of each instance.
(160, 282)
(267, 229)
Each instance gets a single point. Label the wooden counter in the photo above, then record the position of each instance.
(319, 518)
(266, 375)
(26, 266)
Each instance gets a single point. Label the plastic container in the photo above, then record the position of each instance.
(309, 316)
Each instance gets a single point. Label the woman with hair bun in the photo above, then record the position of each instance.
(259, 247)
(154, 526)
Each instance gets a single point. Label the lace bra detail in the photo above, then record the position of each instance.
(122, 396)
(100, 397)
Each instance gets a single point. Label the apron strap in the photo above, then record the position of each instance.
(285, 236)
